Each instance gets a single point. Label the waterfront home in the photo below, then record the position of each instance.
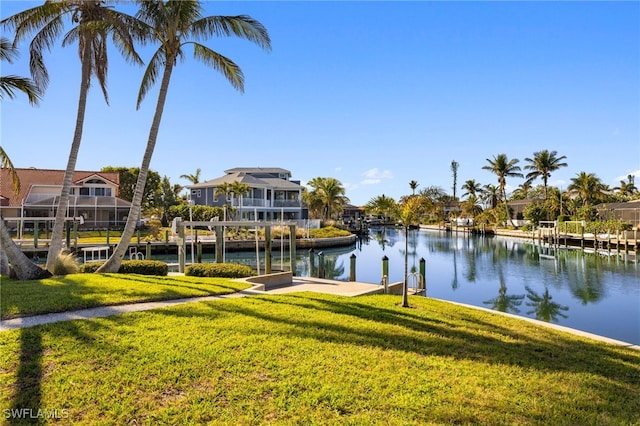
(626, 212)
(271, 195)
(93, 199)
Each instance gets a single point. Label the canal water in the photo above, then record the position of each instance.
(594, 292)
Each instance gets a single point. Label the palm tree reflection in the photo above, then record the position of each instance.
(543, 307)
(505, 302)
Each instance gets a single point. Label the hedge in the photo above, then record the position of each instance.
(225, 270)
(141, 267)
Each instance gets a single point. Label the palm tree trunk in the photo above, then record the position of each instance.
(24, 268)
(58, 227)
(114, 262)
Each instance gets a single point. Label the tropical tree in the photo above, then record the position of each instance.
(328, 194)
(628, 187)
(471, 206)
(382, 206)
(471, 188)
(588, 187)
(491, 195)
(128, 176)
(523, 191)
(167, 196)
(542, 165)
(413, 185)
(175, 24)
(194, 178)
(94, 23)
(410, 213)
(23, 267)
(10, 83)
(240, 189)
(454, 173)
(502, 167)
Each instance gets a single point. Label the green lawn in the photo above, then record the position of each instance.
(317, 359)
(79, 291)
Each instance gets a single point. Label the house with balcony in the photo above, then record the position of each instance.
(272, 195)
(93, 200)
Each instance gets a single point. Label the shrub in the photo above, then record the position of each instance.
(224, 270)
(65, 264)
(328, 232)
(141, 267)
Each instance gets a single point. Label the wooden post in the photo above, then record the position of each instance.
(292, 248)
(385, 273)
(267, 249)
(423, 274)
(148, 253)
(181, 247)
(312, 262)
(219, 244)
(320, 265)
(199, 252)
(352, 267)
(36, 225)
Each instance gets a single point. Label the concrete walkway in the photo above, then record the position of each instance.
(342, 288)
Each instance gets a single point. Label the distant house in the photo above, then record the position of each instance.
(94, 197)
(272, 194)
(626, 212)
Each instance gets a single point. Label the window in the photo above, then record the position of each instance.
(84, 192)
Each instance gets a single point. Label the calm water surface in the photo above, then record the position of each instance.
(596, 293)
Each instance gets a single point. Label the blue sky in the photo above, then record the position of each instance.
(375, 94)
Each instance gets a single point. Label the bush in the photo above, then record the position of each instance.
(328, 232)
(65, 264)
(224, 270)
(141, 267)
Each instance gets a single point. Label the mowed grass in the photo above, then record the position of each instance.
(308, 358)
(79, 291)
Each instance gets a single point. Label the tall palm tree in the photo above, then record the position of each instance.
(413, 185)
(94, 22)
(471, 188)
(541, 166)
(502, 167)
(240, 189)
(454, 173)
(175, 24)
(627, 187)
(24, 268)
(10, 83)
(410, 214)
(194, 178)
(588, 187)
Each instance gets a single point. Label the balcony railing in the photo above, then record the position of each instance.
(259, 202)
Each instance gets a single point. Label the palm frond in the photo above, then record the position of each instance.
(220, 63)
(241, 26)
(150, 74)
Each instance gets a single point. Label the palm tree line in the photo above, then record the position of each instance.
(172, 24)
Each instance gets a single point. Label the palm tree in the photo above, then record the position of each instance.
(194, 178)
(523, 191)
(454, 172)
(491, 195)
(240, 189)
(175, 24)
(95, 22)
(502, 167)
(413, 185)
(24, 268)
(541, 166)
(627, 187)
(471, 188)
(410, 214)
(328, 194)
(588, 187)
(382, 205)
(10, 83)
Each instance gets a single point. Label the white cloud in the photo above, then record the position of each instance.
(375, 173)
(369, 181)
(636, 174)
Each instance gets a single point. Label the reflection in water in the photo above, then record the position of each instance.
(544, 308)
(505, 302)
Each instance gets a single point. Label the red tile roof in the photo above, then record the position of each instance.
(30, 177)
